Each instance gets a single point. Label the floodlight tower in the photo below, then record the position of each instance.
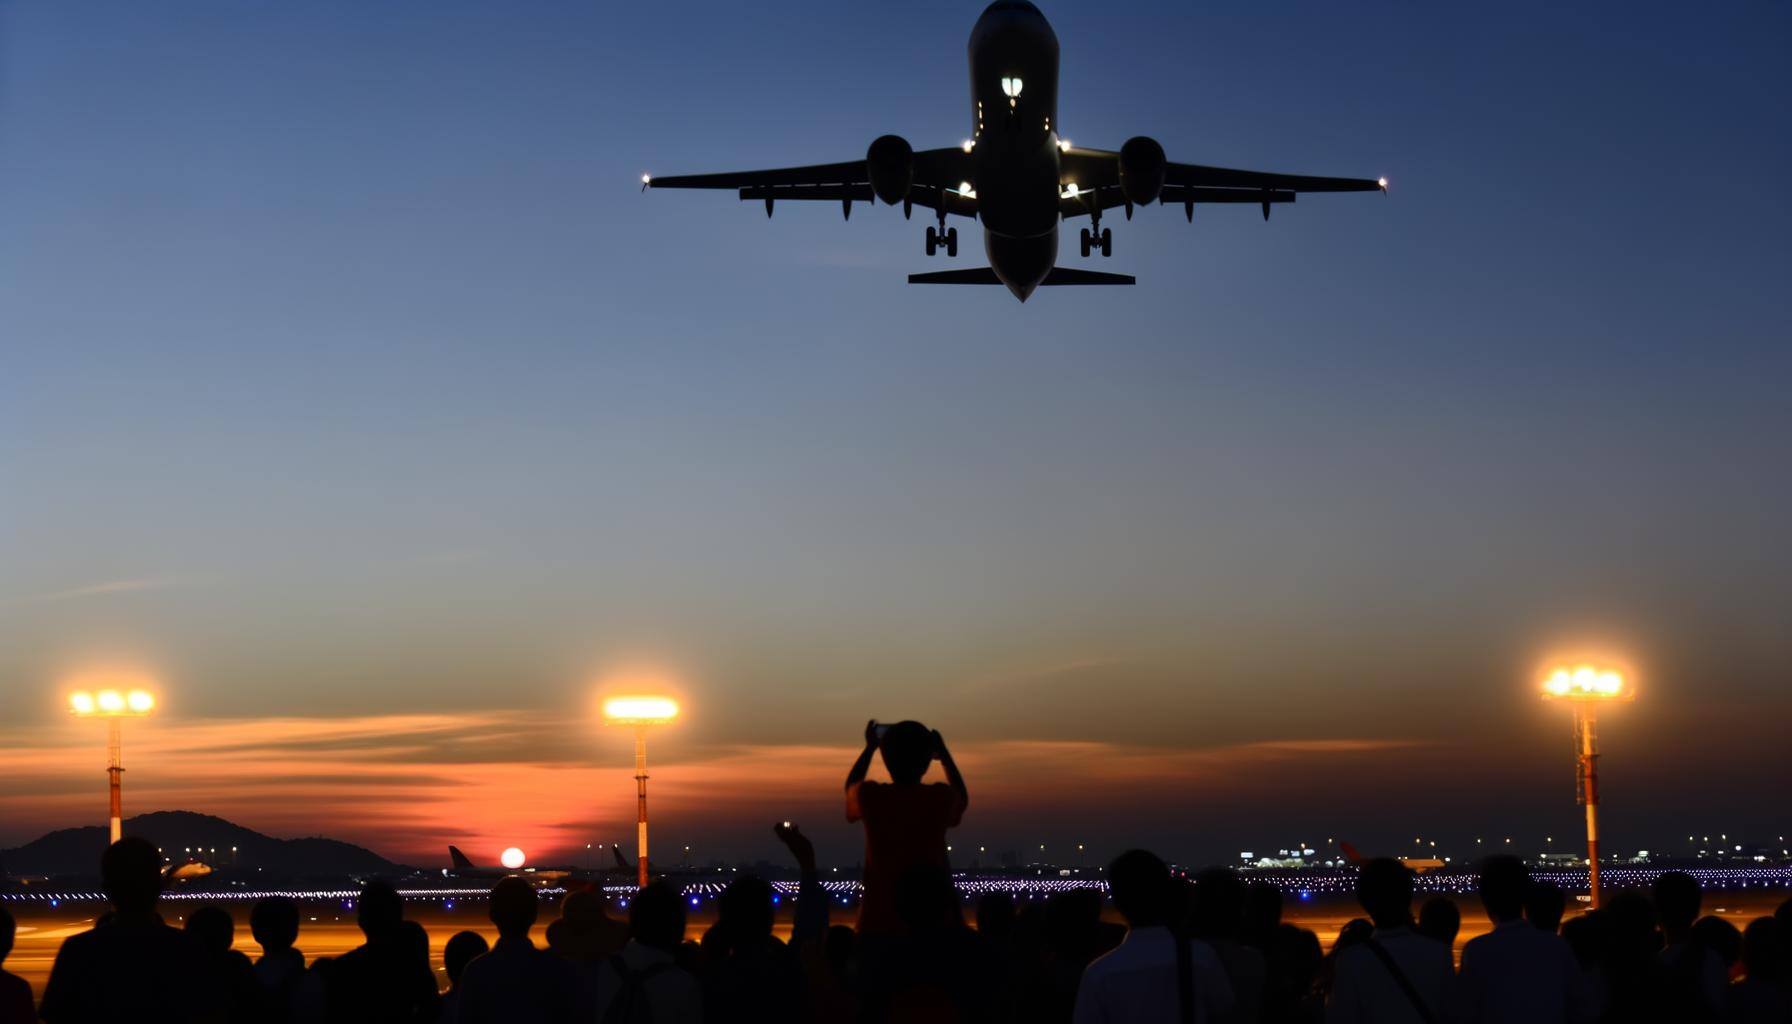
(1585, 688)
(114, 706)
(639, 713)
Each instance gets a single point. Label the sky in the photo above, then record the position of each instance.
(354, 391)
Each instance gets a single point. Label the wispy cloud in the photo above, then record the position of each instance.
(127, 586)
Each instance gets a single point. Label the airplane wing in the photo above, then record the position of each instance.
(937, 174)
(1097, 173)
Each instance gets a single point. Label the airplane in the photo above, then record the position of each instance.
(1016, 173)
(465, 868)
(1419, 865)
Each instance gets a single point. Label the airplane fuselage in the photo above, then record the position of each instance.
(1014, 122)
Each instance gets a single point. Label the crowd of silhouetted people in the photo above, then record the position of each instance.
(1207, 948)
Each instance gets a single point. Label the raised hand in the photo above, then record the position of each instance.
(798, 844)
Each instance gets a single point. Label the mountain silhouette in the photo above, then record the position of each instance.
(76, 851)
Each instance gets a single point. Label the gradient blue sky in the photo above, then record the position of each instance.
(347, 374)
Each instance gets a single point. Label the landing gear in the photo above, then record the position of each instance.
(1103, 240)
(947, 240)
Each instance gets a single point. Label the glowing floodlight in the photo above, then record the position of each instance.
(640, 713)
(1585, 688)
(1586, 683)
(113, 705)
(512, 858)
(640, 710)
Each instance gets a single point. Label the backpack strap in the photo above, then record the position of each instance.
(1400, 979)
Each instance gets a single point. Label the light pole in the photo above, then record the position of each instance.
(114, 706)
(1585, 688)
(638, 713)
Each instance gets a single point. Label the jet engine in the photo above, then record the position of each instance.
(890, 163)
(1142, 166)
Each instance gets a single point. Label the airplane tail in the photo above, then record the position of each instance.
(622, 863)
(987, 275)
(461, 863)
(1350, 853)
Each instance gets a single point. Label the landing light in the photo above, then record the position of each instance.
(1064, 144)
(969, 144)
(1011, 87)
(965, 189)
(1383, 182)
(1070, 191)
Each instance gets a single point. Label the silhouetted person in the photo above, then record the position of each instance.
(1692, 977)
(1394, 975)
(1440, 919)
(905, 820)
(1762, 994)
(134, 967)
(515, 981)
(228, 973)
(1055, 959)
(1216, 917)
(1723, 938)
(644, 981)
(937, 969)
(1630, 969)
(1518, 973)
(462, 949)
(275, 925)
(386, 978)
(749, 975)
(1262, 916)
(1544, 904)
(584, 933)
(1154, 975)
(15, 992)
(1291, 995)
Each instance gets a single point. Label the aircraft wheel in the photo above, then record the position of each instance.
(952, 241)
(1085, 240)
(1107, 241)
(933, 241)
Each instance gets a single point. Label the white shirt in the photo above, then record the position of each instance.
(1136, 982)
(1521, 974)
(1364, 992)
(675, 996)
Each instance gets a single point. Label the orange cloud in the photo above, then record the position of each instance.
(408, 785)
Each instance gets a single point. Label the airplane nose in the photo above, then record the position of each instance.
(1021, 289)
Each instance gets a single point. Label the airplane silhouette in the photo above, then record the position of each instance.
(1016, 173)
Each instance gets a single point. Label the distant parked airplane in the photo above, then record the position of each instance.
(1420, 865)
(1016, 173)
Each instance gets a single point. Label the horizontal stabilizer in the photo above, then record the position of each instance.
(972, 275)
(1068, 275)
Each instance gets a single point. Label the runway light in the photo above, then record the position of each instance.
(640, 710)
(512, 858)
